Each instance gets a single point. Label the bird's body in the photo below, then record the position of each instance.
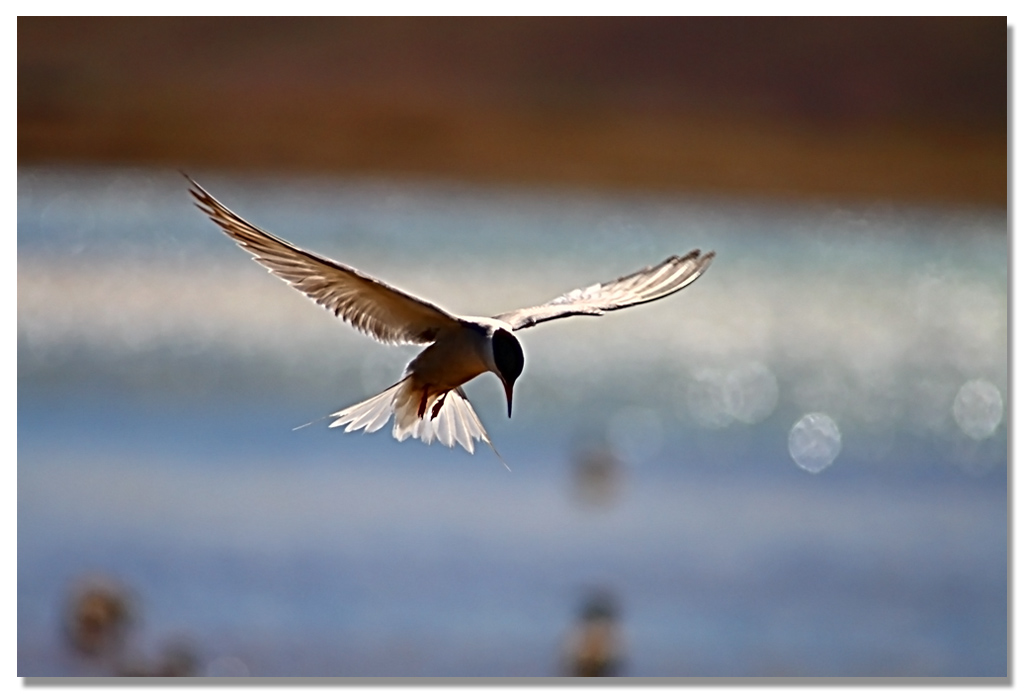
(428, 401)
(457, 355)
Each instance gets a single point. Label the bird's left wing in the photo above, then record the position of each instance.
(642, 286)
(369, 305)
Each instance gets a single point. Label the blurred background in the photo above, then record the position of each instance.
(797, 466)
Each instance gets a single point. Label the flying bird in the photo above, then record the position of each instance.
(428, 402)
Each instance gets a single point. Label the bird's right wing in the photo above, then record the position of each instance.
(642, 286)
(369, 305)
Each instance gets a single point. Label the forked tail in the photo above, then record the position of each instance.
(455, 421)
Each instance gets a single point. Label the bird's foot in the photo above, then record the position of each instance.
(438, 405)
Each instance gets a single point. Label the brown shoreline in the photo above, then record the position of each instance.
(533, 101)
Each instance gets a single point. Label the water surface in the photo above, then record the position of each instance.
(160, 374)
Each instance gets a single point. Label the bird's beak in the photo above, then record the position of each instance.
(508, 395)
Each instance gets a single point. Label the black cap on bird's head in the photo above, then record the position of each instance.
(509, 359)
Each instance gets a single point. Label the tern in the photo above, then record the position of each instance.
(428, 402)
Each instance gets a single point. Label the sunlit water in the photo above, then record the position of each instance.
(161, 373)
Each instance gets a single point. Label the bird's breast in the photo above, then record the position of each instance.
(452, 360)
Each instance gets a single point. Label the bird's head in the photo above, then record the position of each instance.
(508, 360)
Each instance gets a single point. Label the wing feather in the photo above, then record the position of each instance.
(369, 305)
(649, 284)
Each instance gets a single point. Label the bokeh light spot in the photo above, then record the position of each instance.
(752, 392)
(707, 399)
(746, 393)
(978, 409)
(814, 442)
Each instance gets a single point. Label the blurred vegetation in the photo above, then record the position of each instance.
(101, 617)
(911, 109)
(594, 645)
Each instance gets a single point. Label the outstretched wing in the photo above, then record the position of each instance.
(369, 305)
(645, 285)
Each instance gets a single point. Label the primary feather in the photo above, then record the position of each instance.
(369, 305)
(649, 284)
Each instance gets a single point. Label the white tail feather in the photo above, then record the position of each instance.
(456, 422)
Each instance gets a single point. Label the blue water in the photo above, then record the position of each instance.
(160, 373)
